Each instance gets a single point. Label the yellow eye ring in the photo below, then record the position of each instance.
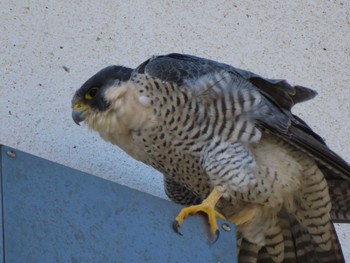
(91, 93)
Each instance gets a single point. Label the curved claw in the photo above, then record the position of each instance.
(176, 226)
(208, 207)
(217, 233)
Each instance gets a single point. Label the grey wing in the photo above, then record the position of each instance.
(280, 96)
(179, 68)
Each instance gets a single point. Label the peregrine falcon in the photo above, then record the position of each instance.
(228, 145)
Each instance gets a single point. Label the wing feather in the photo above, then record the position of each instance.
(179, 68)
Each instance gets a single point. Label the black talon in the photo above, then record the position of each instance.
(217, 233)
(176, 227)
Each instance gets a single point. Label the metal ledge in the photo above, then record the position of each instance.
(52, 213)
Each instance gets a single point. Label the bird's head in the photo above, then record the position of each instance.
(111, 104)
(91, 97)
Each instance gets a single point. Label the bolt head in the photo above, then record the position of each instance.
(226, 227)
(11, 154)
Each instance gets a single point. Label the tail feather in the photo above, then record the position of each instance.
(247, 252)
(299, 245)
(275, 243)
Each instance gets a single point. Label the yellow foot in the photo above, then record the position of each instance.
(207, 207)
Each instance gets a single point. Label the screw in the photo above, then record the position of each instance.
(226, 227)
(11, 154)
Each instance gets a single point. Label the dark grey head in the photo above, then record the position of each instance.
(91, 94)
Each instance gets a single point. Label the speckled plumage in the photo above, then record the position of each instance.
(204, 124)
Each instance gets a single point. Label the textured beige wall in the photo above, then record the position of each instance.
(49, 48)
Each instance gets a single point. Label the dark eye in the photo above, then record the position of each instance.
(91, 93)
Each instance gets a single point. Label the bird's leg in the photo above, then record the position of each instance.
(243, 216)
(207, 207)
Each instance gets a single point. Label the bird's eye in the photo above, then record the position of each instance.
(91, 93)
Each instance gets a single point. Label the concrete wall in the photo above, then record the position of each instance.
(49, 48)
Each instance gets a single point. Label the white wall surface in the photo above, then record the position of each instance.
(49, 48)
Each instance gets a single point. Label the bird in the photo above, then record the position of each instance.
(228, 145)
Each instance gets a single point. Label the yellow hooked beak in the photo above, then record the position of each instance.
(79, 112)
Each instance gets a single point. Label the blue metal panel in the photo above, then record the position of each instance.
(53, 213)
(2, 256)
